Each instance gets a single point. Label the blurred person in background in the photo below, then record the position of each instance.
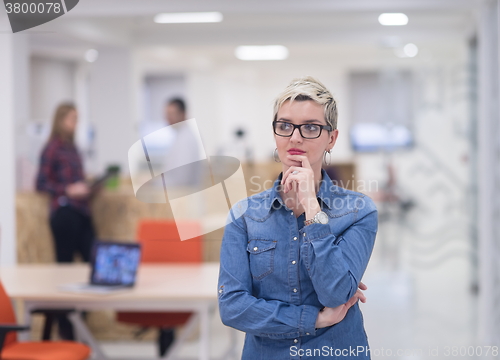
(61, 176)
(184, 149)
(182, 153)
(292, 257)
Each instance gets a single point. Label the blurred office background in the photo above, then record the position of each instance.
(419, 129)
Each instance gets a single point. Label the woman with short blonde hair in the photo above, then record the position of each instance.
(292, 257)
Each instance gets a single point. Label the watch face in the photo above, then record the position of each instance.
(322, 217)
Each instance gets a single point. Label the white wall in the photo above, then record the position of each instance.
(488, 191)
(47, 83)
(7, 147)
(157, 91)
(52, 82)
(113, 98)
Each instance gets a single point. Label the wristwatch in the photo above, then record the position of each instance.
(319, 218)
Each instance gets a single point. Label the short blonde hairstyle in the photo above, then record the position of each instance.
(308, 88)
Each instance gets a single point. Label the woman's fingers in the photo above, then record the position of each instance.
(338, 313)
(357, 296)
(360, 296)
(301, 158)
(335, 315)
(305, 162)
(290, 170)
(290, 180)
(295, 175)
(351, 302)
(362, 286)
(286, 181)
(77, 190)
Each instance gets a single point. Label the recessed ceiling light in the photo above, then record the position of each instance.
(265, 52)
(410, 50)
(91, 55)
(188, 17)
(392, 19)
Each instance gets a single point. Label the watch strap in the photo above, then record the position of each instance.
(309, 222)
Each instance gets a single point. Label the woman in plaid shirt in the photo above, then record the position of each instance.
(61, 176)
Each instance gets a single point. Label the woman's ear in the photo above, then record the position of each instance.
(332, 139)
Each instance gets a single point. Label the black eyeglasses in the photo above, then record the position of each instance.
(307, 131)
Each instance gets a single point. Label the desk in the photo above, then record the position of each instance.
(172, 287)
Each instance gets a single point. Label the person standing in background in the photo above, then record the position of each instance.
(185, 148)
(61, 176)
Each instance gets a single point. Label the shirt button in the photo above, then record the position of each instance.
(255, 248)
(295, 341)
(304, 234)
(291, 213)
(220, 291)
(294, 290)
(307, 333)
(295, 238)
(293, 262)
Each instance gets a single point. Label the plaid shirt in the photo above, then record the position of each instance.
(61, 165)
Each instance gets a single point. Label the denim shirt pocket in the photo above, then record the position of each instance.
(261, 257)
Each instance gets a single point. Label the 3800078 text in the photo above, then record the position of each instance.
(470, 351)
(33, 8)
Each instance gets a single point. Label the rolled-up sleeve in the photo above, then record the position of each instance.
(336, 263)
(240, 309)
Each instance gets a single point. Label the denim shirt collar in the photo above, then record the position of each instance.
(324, 193)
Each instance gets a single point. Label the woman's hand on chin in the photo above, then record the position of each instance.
(300, 179)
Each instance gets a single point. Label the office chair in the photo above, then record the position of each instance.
(11, 349)
(161, 244)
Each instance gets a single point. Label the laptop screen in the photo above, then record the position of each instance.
(115, 263)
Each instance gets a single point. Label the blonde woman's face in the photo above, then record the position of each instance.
(303, 112)
(70, 121)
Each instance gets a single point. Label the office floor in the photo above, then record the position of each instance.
(421, 304)
(419, 301)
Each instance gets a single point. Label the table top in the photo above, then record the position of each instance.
(155, 282)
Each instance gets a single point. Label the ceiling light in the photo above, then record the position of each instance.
(91, 55)
(391, 19)
(266, 52)
(188, 17)
(410, 50)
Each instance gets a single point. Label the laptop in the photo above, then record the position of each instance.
(114, 267)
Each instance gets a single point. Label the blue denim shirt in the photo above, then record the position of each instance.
(276, 274)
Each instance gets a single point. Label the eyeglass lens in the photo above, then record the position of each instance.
(306, 130)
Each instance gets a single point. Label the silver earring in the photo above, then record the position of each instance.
(275, 156)
(325, 162)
